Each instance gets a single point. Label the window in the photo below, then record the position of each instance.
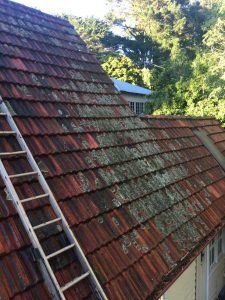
(212, 252)
(220, 243)
(139, 108)
(131, 104)
(216, 249)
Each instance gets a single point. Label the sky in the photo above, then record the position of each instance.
(80, 8)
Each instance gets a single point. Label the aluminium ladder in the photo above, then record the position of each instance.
(57, 290)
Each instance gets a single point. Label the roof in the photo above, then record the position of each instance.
(142, 196)
(123, 86)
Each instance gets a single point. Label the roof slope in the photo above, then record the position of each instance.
(141, 196)
(123, 86)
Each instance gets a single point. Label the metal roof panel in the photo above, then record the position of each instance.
(123, 86)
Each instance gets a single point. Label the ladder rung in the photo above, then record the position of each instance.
(7, 132)
(23, 175)
(8, 154)
(60, 251)
(3, 114)
(75, 281)
(34, 198)
(46, 223)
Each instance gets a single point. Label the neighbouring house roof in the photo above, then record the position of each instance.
(123, 86)
(142, 196)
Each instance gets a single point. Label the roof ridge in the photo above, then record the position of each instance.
(28, 29)
(177, 117)
(35, 11)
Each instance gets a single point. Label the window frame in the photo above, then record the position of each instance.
(216, 249)
(140, 108)
(212, 252)
(220, 243)
(132, 106)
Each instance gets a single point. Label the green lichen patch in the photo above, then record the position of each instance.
(186, 237)
(115, 221)
(167, 256)
(119, 138)
(84, 182)
(8, 195)
(97, 111)
(132, 239)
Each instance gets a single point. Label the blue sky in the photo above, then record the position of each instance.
(82, 8)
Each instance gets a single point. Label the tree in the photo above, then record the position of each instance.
(162, 20)
(134, 44)
(176, 47)
(174, 29)
(207, 86)
(169, 86)
(132, 49)
(193, 35)
(94, 32)
(123, 68)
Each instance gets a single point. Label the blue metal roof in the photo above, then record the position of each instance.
(123, 86)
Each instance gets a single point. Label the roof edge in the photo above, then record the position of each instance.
(178, 117)
(37, 11)
(185, 263)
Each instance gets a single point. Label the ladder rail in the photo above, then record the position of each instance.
(26, 223)
(79, 252)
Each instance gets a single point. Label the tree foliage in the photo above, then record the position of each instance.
(192, 80)
(94, 32)
(125, 57)
(123, 68)
(175, 47)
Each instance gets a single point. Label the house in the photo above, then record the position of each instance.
(134, 94)
(143, 197)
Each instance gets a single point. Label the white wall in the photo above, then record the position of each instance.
(201, 276)
(134, 98)
(216, 280)
(184, 287)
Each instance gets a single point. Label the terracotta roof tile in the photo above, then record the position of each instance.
(140, 195)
